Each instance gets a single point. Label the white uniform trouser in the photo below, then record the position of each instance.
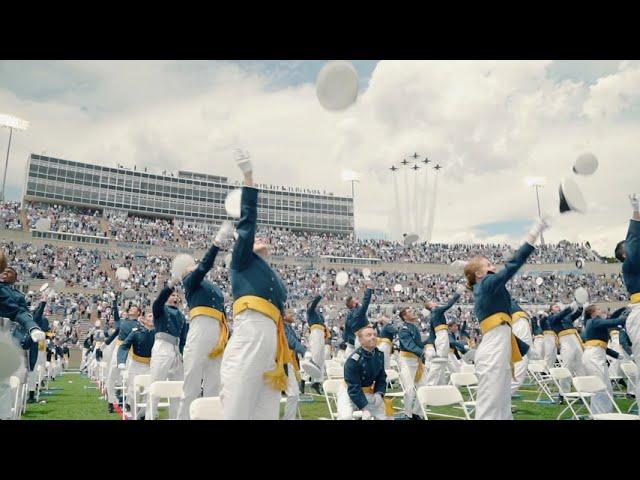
(633, 330)
(83, 363)
(438, 371)
(571, 351)
(317, 347)
(201, 373)
(166, 364)
(595, 363)
(113, 374)
(33, 376)
(293, 395)
(385, 348)
(346, 406)
(522, 330)
(550, 350)
(408, 368)
(538, 347)
(135, 368)
(327, 352)
(493, 369)
(454, 363)
(250, 353)
(108, 352)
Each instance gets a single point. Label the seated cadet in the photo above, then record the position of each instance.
(365, 381)
(594, 358)
(386, 337)
(438, 320)
(356, 318)
(411, 362)
(318, 335)
(293, 367)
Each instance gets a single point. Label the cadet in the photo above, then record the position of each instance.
(387, 335)
(570, 341)
(317, 336)
(356, 318)
(293, 367)
(411, 362)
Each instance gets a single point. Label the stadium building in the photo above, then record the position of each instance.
(189, 196)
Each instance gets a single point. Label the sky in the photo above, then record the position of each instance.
(489, 124)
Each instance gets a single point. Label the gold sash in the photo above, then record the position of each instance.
(420, 369)
(224, 327)
(496, 320)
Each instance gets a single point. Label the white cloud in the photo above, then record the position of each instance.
(489, 123)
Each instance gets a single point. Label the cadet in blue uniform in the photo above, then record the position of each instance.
(170, 336)
(438, 321)
(499, 348)
(628, 252)
(356, 318)
(318, 334)
(252, 372)
(140, 344)
(37, 351)
(208, 330)
(293, 367)
(411, 362)
(538, 336)
(365, 380)
(386, 337)
(456, 349)
(594, 358)
(13, 305)
(122, 331)
(570, 341)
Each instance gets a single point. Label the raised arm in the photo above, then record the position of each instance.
(194, 279)
(159, 302)
(366, 299)
(499, 279)
(246, 230)
(632, 245)
(443, 308)
(314, 304)
(37, 314)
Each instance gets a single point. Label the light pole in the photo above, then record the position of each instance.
(537, 183)
(351, 176)
(11, 123)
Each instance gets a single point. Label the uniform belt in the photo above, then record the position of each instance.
(42, 346)
(596, 343)
(319, 326)
(635, 298)
(384, 340)
(277, 378)
(571, 331)
(368, 389)
(168, 338)
(138, 358)
(420, 370)
(494, 321)
(614, 332)
(518, 315)
(224, 328)
(538, 336)
(440, 327)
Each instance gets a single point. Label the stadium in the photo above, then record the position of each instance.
(130, 274)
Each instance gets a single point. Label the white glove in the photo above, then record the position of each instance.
(461, 289)
(37, 335)
(243, 161)
(121, 366)
(366, 414)
(540, 226)
(574, 306)
(635, 202)
(224, 233)
(172, 282)
(377, 400)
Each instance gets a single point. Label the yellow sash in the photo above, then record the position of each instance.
(517, 315)
(317, 326)
(496, 320)
(277, 378)
(596, 343)
(571, 331)
(635, 298)
(441, 327)
(138, 358)
(224, 327)
(368, 389)
(384, 340)
(42, 346)
(551, 332)
(420, 369)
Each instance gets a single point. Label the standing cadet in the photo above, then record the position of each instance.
(538, 336)
(171, 334)
(293, 367)
(411, 362)
(252, 372)
(388, 333)
(628, 252)
(499, 348)
(37, 352)
(522, 329)
(318, 334)
(140, 343)
(356, 318)
(550, 339)
(570, 341)
(365, 381)
(208, 329)
(439, 328)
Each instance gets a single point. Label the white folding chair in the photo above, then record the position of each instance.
(169, 389)
(559, 374)
(590, 385)
(630, 372)
(467, 368)
(331, 389)
(468, 381)
(543, 380)
(206, 408)
(140, 385)
(14, 384)
(393, 378)
(335, 373)
(441, 396)
(331, 364)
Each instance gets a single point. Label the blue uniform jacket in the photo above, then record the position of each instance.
(250, 274)
(293, 340)
(388, 331)
(199, 291)
(438, 313)
(167, 319)
(563, 319)
(598, 328)
(410, 339)
(631, 265)
(314, 317)
(535, 326)
(357, 318)
(13, 306)
(140, 339)
(122, 327)
(364, 369)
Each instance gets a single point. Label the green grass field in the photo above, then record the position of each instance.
(73, 397)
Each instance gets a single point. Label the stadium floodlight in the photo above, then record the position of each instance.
(537, 183)
(349, 176)
(12, 123)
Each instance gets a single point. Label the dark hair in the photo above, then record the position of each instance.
(348, 301)
(589, 311)
(620, 251)
(402, 313)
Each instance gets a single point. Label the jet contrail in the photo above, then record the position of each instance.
(423, 200)
(415, 202)
(406, 196)
(432, 209)
(398, 207)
